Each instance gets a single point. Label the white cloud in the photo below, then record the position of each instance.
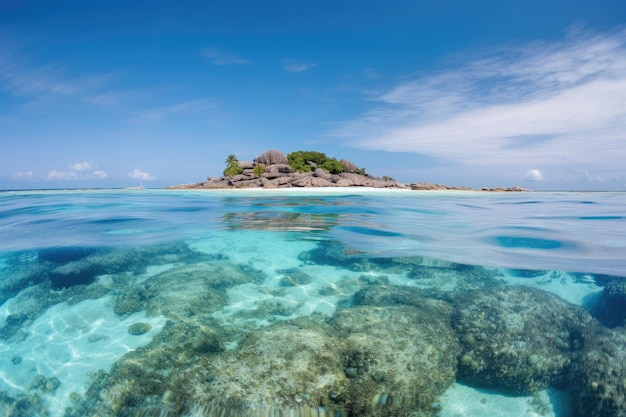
(554, 104)
(219, 57)
(79, 171)
(61, 175)
(140, 175)
(80, 166)
(99, 175)
(533, 175)
(295, 67)
(23, 175)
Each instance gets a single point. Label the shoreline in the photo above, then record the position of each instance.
(313, 181)
(200, 186)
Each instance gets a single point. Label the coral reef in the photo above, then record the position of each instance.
(398, 359)
(22, 405)
(597, 378)
(284, 365)
(293, 277)
(516, 339)
(146, 379)
(609, 308)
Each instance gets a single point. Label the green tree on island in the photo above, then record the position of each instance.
(305, 161)
(232, 166)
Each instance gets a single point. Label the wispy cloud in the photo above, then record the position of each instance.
(533, 175)
(193, 107)
(80, 166)
(23, 78)
(62, 175)
(297, 67)
(219, 57)
(137, 174)
(79, 171)
(23, 175)
(559, 103)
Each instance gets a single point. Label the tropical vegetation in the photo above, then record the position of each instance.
(232, 166)
(298, 161)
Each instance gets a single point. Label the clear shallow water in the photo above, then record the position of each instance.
(227, 302)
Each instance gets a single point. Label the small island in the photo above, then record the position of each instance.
(273, 169)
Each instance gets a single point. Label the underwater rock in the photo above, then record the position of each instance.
(610, 306)
(147, 381)
(293, 277)
(137, 329)
(41, 383)
(64, 254)
(123, 259)
(135, 298)
(389, 295)
(74, 273)
(192, 289)
(516, 339)
(597, 378)
(398, 358)
(282, 365)
(22, 405)
(21, 276)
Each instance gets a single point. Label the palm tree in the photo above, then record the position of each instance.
(231, 160)
(232, 166)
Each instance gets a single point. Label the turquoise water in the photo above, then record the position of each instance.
(338, 302)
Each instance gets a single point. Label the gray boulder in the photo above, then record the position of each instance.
(271, 157)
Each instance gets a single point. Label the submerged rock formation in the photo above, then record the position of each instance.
(398, 359)
(597, 379)
(610, 306)
(517, 339)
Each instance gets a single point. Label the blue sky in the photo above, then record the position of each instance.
(482, 93)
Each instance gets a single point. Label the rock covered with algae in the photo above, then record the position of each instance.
(610, 306)
(597, 379)
(286, 365)
(367, 361)
(516, 339)
(398, 358)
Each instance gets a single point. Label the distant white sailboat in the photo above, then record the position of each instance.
(141, 187)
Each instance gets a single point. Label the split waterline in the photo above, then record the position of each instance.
(338, 301)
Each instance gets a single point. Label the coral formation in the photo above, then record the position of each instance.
(293, 277)
(405, 328)
(284, 365)
(398, 359)
(516, 339)
(610, 306)
(140, 328)
(597, 379)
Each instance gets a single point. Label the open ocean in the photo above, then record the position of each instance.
(312, 302)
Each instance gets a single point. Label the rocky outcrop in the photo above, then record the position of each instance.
(282, 176)
(271, 170)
